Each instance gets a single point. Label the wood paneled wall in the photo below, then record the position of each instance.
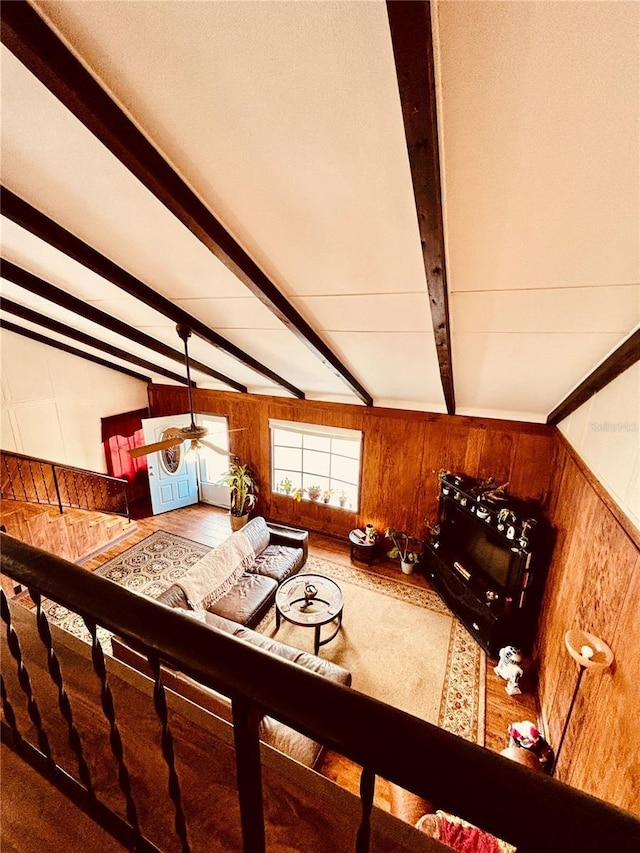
(402, 453)
(594, 579)
(594, 584)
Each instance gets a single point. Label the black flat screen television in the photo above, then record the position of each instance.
(476, 546)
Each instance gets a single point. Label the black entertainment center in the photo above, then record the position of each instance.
(489, 561)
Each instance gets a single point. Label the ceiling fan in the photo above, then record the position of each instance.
(175, 436)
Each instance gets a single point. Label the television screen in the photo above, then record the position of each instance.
(475, 544)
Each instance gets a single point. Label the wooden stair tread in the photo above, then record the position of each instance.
(74, 534)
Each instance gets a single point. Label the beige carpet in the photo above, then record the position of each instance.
(402, 646)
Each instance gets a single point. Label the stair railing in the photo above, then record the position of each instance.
(462, 777)
(33, 480)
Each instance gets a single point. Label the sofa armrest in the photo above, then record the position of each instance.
(174, 597)
(292, 537)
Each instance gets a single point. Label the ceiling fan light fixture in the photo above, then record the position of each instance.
(193, 447)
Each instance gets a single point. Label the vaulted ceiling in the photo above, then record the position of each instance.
(270, 173)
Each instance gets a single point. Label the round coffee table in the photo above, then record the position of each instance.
(310, 601)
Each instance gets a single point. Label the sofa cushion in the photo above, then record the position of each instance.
(257, 533)
(278, 562)
(214, 574)
(306, 659)
(248, 600)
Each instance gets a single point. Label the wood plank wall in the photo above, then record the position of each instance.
(593, 584)
(402, 453)
(594, 579)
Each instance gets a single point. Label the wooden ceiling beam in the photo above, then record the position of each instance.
(41, 339)
(42, 288)
(28, 217)
(621, 359)
(30, 39)
(75, 335)
(411, 36)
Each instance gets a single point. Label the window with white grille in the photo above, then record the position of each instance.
(318, 460)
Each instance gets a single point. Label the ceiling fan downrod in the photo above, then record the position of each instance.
(184, 333)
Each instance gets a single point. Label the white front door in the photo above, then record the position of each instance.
(172, 473)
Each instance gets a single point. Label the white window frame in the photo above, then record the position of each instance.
(340, 433)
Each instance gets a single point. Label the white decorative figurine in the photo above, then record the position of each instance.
(509, 668)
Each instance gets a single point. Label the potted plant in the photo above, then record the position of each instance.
(285, 486)
(433, 531)
(314, 492)
(342, 498)
(326, 495)
(401, 548)
(243, 489)
(298, 494)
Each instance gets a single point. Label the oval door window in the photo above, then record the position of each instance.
(171, 458)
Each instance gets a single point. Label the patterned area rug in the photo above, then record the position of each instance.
(402, 646)
(400, 642)
(149, 567)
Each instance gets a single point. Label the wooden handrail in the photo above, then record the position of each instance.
(459, 776)
(62, 469)
(64, 466)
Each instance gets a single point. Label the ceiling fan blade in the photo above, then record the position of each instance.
(157, 445)
(214, 447)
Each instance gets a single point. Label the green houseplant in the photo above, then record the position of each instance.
(285, 486)
(243, 492)
(402, 548)
(314, 492)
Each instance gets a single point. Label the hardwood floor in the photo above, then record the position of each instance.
(211, 526)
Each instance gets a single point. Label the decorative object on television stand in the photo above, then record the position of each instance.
(489, 560)
(592, 654)
(509, 668)
(402, 543)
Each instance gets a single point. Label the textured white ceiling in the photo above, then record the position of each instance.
(284, 118)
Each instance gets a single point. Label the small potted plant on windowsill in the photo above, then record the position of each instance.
(401, 548)
(342, 498)
(314, 492)
(285, 486)
(326, 495)
(298, 494)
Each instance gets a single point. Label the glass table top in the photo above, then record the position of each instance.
(309, 599)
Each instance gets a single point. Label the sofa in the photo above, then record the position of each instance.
(259, 557)
(272, 732)
(277, 553)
